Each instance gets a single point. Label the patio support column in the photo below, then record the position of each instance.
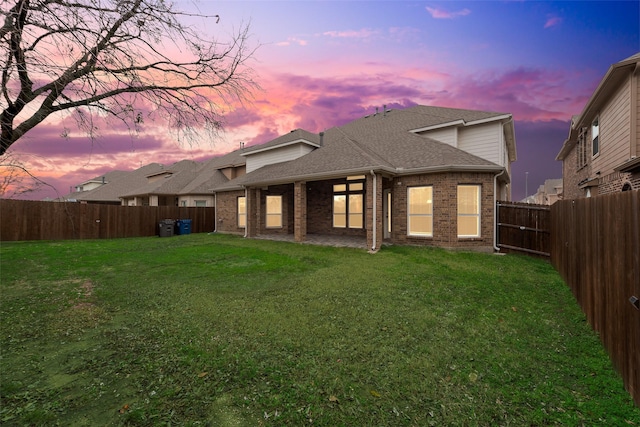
(300, 211)
(379, 217)
(253, 212)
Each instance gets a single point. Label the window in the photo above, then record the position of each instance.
(595, 136)
(183, 203)
(274, 211)
(242, 212)
(201, 203)
(468, 211)
(348, 203)
(420, 211)
(582, 148)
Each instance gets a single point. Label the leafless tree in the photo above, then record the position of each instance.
(128, 59)
(15, 179)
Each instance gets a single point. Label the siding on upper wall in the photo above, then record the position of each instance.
(447, 135)
(277, 155)
(484, 141)
(615, 131)
(636, 83)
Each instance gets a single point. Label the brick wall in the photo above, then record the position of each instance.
(286, 191)
(320, 210)
(445, 208)
(226, 212)
(572, 177)
(614, 182)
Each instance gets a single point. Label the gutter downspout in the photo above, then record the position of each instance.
(495, 210)
(246, 213)
(375, 224)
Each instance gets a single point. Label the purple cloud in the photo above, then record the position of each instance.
(552, 21)
(438, 13)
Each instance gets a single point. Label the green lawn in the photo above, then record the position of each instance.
(222, 331)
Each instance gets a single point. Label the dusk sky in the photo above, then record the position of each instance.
(322, 64)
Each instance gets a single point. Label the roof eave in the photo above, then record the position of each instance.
(284, 144)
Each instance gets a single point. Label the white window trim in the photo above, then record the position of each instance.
(477, 215)
(277, 214)
(241, 214)
(409, 215)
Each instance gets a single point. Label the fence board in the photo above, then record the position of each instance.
(523, 228)
(33, 220)
(595, 246)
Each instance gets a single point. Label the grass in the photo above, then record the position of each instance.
(222, 331)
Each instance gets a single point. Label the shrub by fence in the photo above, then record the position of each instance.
(595, 246)
(33, 220)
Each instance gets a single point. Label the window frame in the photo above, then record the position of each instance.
(269, 215)
(411, 215)
(351, 189)
(241, 213)
(477, 214)
(595, 140)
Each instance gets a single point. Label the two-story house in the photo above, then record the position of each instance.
(602, 153)
(422, 176)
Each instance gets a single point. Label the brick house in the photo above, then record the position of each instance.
(420, 176)
(602, 153)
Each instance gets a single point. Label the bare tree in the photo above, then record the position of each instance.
(128, 59)
(15, 179)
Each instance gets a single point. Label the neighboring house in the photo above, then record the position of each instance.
(421, 176)
(162, 186)
(185, 183)
(99, 181)
(602, 153)
(114, 186)
(547, 194)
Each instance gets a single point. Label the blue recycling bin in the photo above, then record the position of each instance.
(183, 226)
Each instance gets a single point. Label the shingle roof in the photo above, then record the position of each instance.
(178, 176)
(293, 136)
(382, 141)
(112, 190)
(209, 175)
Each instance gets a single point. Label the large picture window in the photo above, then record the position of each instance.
(242, 212)
(420, 211)
(274, 211)
(348, 203)
(468, 211)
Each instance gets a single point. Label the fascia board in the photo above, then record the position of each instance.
(284, 144)
(463, 123)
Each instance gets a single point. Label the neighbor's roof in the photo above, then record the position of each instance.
(178, 176)
(114, 188)
(384, 141)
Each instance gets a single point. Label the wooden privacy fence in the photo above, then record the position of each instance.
(595, 246)
(524, 228)
(32, 220)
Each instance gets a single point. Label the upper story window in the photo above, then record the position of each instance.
(595, 136)
(582, 148)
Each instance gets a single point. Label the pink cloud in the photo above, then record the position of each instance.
(437, 13)
(352, 34)
(552, 21)
(292, 41)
